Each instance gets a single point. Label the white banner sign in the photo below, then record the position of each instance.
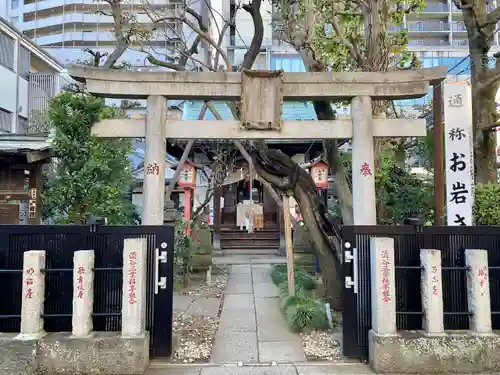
(459, 154)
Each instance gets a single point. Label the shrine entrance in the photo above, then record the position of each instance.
(261, 119)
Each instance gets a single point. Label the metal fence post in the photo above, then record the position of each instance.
(432, 292)
(33, 295)
(478, 291)
(134, 287)
(83, 292)
(383, 284)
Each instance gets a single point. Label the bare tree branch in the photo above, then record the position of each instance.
(203, 34)
(122, 42)
(253, 51)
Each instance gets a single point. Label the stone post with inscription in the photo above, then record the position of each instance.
(478, 291)
(134, 287)
(33, 295)
(383, 289)
(83, 292)
(431, 290)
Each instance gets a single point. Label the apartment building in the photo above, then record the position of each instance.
(64, 28)
(29, 77)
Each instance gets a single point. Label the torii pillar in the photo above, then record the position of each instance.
(154, 161)
(363, 175)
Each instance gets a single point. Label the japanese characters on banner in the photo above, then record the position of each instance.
(459, 154)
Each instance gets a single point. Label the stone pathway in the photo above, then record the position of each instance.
(196, 305)
(251, 328)
(298, 369)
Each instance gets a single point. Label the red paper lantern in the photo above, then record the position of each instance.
(319, 173)
(187, 178)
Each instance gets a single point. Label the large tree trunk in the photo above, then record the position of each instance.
(480, 31)
(279, 170)
(483, 116)
(483, 112)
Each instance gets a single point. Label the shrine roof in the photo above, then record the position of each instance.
(21, 143)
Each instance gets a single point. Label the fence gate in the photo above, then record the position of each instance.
(356, 318)
(60, 242)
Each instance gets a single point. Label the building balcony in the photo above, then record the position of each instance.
(36, 6)
(435, 8)
(58, 37)
(458, 27)
(429, 43)
(422, 27)
(42, 87)
(454, 9)
(427, 26)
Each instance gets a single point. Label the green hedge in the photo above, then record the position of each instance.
(301, 312)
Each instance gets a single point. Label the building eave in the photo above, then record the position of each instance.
(27, 43)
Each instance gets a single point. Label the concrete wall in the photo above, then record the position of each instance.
(81, 351)
(432, 350)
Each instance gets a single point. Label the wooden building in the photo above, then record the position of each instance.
(21, 160)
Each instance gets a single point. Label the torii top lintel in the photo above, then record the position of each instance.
(114, 83)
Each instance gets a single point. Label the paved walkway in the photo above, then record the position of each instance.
(298, 369)
(251, 329)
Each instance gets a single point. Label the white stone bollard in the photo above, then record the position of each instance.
(83, 292)
(383, 285)
(432, 292)
(478, 291)
(33, 295)
(134, 287)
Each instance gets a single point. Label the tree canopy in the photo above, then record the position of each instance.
(92, 177)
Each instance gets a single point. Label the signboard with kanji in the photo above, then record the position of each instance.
(459, 156)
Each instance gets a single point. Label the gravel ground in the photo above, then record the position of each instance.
(196, 335)
(322, 345)
(199, 286)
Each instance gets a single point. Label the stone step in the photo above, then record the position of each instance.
(256, 251)
(249, 244)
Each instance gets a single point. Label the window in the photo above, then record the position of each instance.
(6, 51)
(5, 121)
(14, 21)
(24, 62)
(14, 4)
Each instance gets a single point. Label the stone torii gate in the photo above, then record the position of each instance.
(261, 94)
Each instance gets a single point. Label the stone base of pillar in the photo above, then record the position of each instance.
(215, 240)
(17, 356)
(282, 248)
(102, 353)
(170, 214)
(58, 353)
(413, 352)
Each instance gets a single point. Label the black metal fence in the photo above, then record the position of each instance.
(60, 243)
(452, 241)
